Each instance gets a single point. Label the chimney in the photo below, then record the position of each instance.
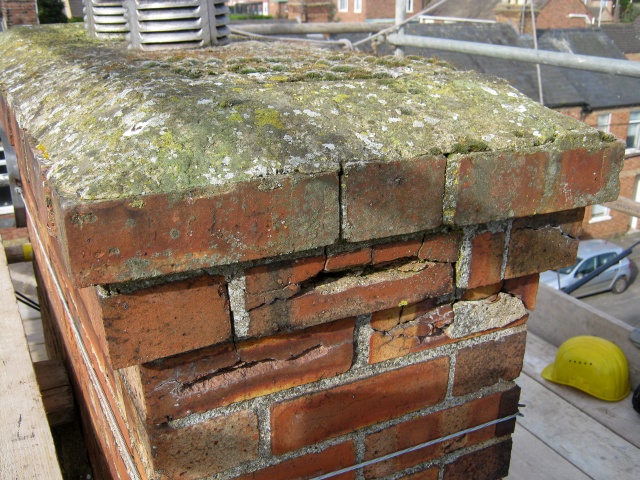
(274, 261)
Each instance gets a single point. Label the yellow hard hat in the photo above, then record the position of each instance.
(591, 364)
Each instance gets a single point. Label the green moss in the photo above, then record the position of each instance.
(268, 116)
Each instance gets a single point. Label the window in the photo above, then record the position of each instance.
(357, 6)
(410, 6)
(633, 133)
(599, 213)
(343, 5)
(604, 121)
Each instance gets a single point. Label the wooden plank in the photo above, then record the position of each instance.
(26, 445)
(591, 447)
(532, 459)
(619, 417)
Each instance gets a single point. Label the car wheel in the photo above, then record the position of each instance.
(620, 285)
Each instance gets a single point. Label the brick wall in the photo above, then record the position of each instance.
(374, 9)
(19, 12)
(617, 223)
(291, 326)
(554, 14)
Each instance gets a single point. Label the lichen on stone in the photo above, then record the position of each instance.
(117, 123)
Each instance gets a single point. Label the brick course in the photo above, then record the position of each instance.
(353, 295)
(166, 319)
(486, 363)
(330, 413)
(431, 427)
(218, 376)
(206, 448)
(311, 465)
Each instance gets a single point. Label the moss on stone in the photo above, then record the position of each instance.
(111, 122)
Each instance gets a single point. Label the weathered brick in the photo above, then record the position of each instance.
(490, 463)
(353, 295)
(273, 276)
(206, 448)
(543, 242)
(484, 291)
(442, 247)
(387, 252)
(487, 251)
(508, 406)
(431, 427)
(392, 198)
(330, 413)
(430, 473)
(218, 376)
(525, 288)
(266, 283)
(344, 260)
(485, 364)
(527, 184)
(163, 234)
(310, 465)
(166, 319)
(409, 333)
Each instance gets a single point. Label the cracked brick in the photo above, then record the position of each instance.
(214, 377)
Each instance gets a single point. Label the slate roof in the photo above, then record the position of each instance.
(562, 87)
(626, 36)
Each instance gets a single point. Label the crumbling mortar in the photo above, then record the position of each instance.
(464, 260)
(240, 317)
(362, 334)
(507, 240)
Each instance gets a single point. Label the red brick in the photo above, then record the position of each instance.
(277, 275)
(353, 295)
(521, 185)
(389, 252)
(392, 198)
(442, 247)
(310, 465)
(542, 243)
(206, 448)
(430, 473)
(344, 260)
(166, 319)
(266, 283)
(525, 288)
(431, 427)
(214, 377)
(487, 250)
(330, 413)
(485, 364)
(161, 234)
(480, 293)
(410, 334)
(490, 463)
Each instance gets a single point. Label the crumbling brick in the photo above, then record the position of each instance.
(219, 376)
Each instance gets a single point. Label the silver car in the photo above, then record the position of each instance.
(591, 255)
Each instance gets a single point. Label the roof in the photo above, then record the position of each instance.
(466, 9)
(562, 87)
(626, 36)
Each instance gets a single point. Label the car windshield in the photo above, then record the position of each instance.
(567, 270)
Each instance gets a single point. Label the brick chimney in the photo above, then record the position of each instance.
(271, 262)
(18, 12)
